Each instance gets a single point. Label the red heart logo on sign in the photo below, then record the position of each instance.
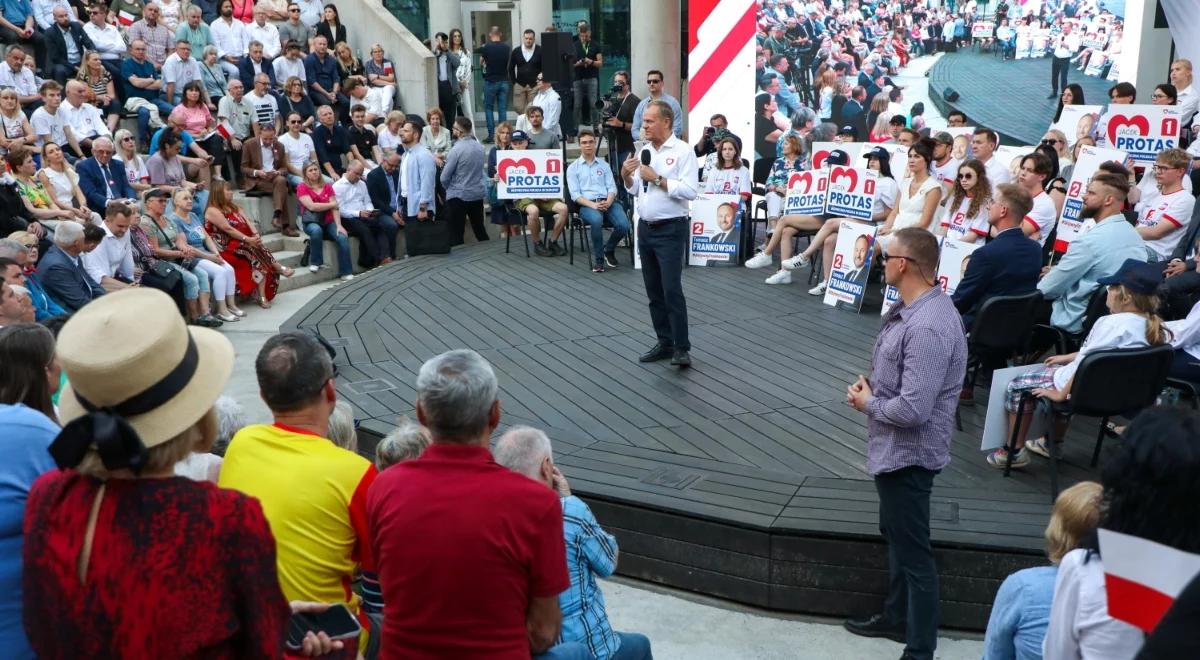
(804, 177)
(847, 173)
(819, 159)
(524, 164)
(1117, 121)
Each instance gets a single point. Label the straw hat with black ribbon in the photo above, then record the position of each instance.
(138, 377)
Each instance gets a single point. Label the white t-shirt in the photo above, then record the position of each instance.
(266, 108)
(885, 195)
(1080, 626)
(44, 123)
(1123, 330)
(958, 225)
(997, 172)
(1175, 208)
(728, 182)
(299, 150)
(1043, 216)
(946, 174)
(389, 142)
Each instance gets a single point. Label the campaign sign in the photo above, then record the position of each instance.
(1142, 130)
(1078, 121)
(851, 192)
(532, 173)
(952, 264)
(851, 265)
(806, 193)
(716, 227)
(982, 29)
(1069, 222)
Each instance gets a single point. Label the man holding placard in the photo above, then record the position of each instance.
(1164, 213)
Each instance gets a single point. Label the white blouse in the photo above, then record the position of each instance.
(912, 208)
(62, 185)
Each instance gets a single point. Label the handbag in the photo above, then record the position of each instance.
(167, 273)
(430, 236)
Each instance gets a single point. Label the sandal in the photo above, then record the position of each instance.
(264, 303)
(1038, 446)
(1113, 429)
(286, 272)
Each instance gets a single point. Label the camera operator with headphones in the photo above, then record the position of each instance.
(616, 121)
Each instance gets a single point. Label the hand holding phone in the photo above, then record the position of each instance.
(319, 627)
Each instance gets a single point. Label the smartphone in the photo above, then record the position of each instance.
(337, 622)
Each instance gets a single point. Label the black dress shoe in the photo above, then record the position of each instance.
(659, 352)
(874, 626)
(1053, 95)
(681, 359)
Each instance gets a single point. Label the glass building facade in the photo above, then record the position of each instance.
(610, 26)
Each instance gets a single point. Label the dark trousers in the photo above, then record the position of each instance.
(376, 236)
(912, 598)
(37, 41)
(457, 212)
(61, 72)
(446, 101)
(662, 247)
(1058, 73)
(1179, 293)
(1185, 367)
(152, 280)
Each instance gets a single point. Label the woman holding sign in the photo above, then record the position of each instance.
(777, 180)
(919, 196)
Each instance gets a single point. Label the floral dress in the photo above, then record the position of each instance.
(251, 264)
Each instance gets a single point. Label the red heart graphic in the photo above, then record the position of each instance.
(512, 163)
(806, 177)
(837, 172)
(1117, 121)
(819, 159)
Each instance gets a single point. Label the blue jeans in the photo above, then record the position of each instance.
(143, 118)
(566, 651)
(634, 646)
(595, 220)
(194, 282)
(317, 233)
(495, 98)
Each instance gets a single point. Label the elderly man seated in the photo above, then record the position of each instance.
(62, 273)
(533, 208)
(591, 551)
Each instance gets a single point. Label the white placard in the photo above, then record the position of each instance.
(851, 265)
(716, 226)
(952, 263)
(852, 192)
(1070, 221)
(1141, 131)
(529, 173)
(806, 192)
(995, 423)
(1078, 121)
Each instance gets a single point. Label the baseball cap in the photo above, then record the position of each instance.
(849, 130)
(943, 137)
(158, 193)
(878, 152)
(837, 157)
(520, 136)
(1137, 276)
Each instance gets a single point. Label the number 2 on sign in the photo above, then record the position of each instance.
(837, 262)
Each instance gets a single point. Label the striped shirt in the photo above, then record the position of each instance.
(590, 552)
(917, 370)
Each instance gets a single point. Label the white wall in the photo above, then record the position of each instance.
(416, 82)
(1145, 58)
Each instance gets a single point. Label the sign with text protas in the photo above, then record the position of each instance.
(716, 228)
(982, 29)
(852, 192)
(1078, 121)
(806, 192)
(851, 265)
(529, 173)
(952, 263)
(1071, 221)
(1141, 131)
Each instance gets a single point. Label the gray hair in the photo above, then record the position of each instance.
(10, 248)
(209, 49)
(102, 140)
(665, 112)
(230, 419)
(802, 117)
(404, 443)
(456, 391)
(193, 8)
(232, 82)
(824, 132)
(67, 233)
(253, 43)
(523, 449)
(341, 426)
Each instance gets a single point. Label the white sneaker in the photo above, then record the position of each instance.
(818, 290)
(347, 278)
(781, 277)
(798, 261)
(760, 260)
(313, 268)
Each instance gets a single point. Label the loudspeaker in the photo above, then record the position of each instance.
(949, 94)
(558, 57)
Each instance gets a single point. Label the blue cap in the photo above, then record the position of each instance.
(1137, 276)
(837, 157)
(879, 153)
(520, 136)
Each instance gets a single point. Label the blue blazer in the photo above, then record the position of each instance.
(92, 182)
(44, 306)
(419, 184)
(1007, 266)
(66, 281)
(246, 72)
(380, 192)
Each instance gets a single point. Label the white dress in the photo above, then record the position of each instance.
(466, 94)
(910, 208)
(62, 185)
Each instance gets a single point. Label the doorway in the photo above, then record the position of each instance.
(478, 17)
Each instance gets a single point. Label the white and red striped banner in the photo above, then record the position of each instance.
(1143, 578)
(721, 67)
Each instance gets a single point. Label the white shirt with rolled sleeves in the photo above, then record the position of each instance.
(676, 163)
(1175, 208)
(1043, 216)
(229, 38)
(997, 172)
(352, 197)
(113, 257)
(551, 106)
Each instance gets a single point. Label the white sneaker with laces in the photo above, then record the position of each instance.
(798, 261)
(313, 268)
(818, 290)
(347, 278)
(760, 260)
(781, 277)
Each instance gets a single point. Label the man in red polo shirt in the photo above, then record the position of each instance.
(471, 554)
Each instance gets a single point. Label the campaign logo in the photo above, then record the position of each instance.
(851, 192)
(819, 159)
(837, 174)
(520, 176)
(806, 192)
(1142, 136)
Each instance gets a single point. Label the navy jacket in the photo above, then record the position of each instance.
(1007, 266)
(65, 280)
(246, 72)
(92, 182)
(381, 194)
(56, 43)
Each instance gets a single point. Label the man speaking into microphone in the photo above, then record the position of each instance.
(663, 176)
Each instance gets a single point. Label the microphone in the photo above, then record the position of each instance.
(645, 161)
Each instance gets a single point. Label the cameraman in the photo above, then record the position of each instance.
(718, 127)
(618, 115)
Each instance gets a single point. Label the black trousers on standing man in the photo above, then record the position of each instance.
(457, 212)
(662, 245)
(912, 598)
(1058, 74)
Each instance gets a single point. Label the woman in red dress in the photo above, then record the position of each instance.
(254, 267)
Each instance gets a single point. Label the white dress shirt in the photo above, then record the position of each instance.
(352, 197)
(1188, 102)
(285, 68)
(267, 35)
(229, 38)
(676, 163)
(551, 107)
(24, 82)
(108, 40)
(114, 256)
(85, 121)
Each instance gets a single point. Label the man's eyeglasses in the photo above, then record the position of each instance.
(653, 82)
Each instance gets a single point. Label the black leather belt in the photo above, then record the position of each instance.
(663, 221)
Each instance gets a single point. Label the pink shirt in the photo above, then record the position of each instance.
(195, 119)
(321, 197)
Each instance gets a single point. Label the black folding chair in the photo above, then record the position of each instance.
(1001, 330)
(1117, 381)
(1067, 342)
(515, 217)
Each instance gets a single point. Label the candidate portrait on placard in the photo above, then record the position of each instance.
(727, 233)
(858, 270)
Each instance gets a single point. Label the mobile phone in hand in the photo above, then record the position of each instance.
(337, 622)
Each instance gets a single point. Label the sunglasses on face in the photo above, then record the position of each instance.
(653, 82)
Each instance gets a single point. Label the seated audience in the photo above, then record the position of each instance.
(266, 106)
(1006, 265)
(1035, 171)
(256, 63)
(332, 142)
(497, 571)
(199, 247)
(15, 306)
(229, 36)
(59, 179)
(294, 99)
(256, 270)
(404, 443)
(729, 176)
(363, 140)
(1165, 211)
(171, 248)
(231, 418)
(28, 426)
(381, 73)
(179, 70)
(389, 134)
(66, 42)
(321, 219)
(375, 231)
(265, 170)
(153, 272)
(14, 258)
(1094, 255)
(17, 132)
(111, 264)
(330, 26)
(142, 84)
(135, 163)
(591, 182)
(533, 209)
(540, 137)
(62, 273)
(167, 171)
(1133, 322)
(235, 116)
(348, 65)
(462, 179)
(300, 149)
(291, 65)
(106, 38)
(591, 552)
(314, 493)
(39, 204)
(213, 79)
(264, 34)
(49, 122)
(1021, 612)
(195, 29)
(195, 118)
(158, 37)
(341, 426)
(86, 122)
(321, 75)
(967, 203)
(103, 179)
(777, 180)
(101, 91)
(91, 604)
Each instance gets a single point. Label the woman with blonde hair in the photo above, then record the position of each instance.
(389, 133)
(60, 180)
(347, 64)
(101, 93)
(499, 209)
(829, 84)
(135, 163)
(14, 125)
(1021, 611)
(191, 238)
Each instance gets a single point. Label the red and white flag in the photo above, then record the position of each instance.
(1143, 578)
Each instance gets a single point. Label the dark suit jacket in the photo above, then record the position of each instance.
(252, 158)
(1007, 266)
(725, 238)
(56, 46)
(92, 179)
(246, 72)
(377, 188)
(66, 281)
(854, 115)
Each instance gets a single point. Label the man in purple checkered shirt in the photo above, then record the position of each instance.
(917, 372)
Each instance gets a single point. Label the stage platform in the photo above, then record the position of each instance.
(741, 477)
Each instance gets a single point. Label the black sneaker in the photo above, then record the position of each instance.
(599, 267)
(540, 249)
(610, 259)
(556, 250)
(875, 626)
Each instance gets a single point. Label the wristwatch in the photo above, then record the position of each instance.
(658, 181)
